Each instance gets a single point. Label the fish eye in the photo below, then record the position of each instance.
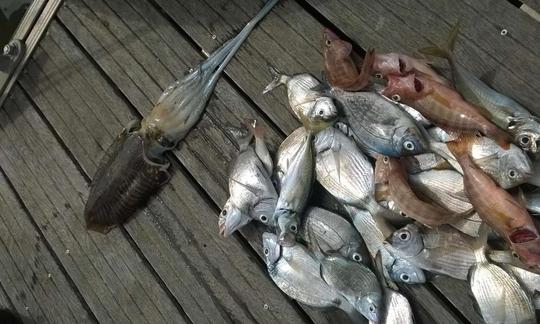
(386, 159)
(263, 218)
(404, 277)
(402, 214)
(515, 255)
(396, 97)
(224, 212)
(378, 75)
(408, 145)
(357, 257)
(524, 140)
(405, 236)
(293, 228)
(266, 251)
(321, 112)
(328, 42)
(371, 309)
(512, 173)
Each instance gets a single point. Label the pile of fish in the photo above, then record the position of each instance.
(428, 171)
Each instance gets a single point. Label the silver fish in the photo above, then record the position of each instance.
(302, 99)
(250, 185)
(297, 272)
(508, 168)
(374, 230)
(344, 171)
(396, 307)
(535, 177)
(379, 125)
(285, 154)
(441, 135)
(529, 281)
(136, 165)
(532, 200)
(498, 294)
(295, 187)
(355, 282)
(331, 233)
(441, 250)
(424, 162)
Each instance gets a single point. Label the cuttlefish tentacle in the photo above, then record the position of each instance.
(135, 166)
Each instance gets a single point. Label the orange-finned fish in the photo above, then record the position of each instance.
(401, 64)
(390, 171)
(497, 207)
(443, 106)
(340, 68)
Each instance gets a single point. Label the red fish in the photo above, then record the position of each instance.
(401, 64)
(339, 65)
(443, 106)
(497, 207)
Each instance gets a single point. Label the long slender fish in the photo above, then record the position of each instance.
(135, 166)
(441, 250)
(340, 68)
(505, 112)
(498, 294)
(330, 232)
(497, 207)
(442, 105)
(253, 196)
(297, 272)
(408, 202)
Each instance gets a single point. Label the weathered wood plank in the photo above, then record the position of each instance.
(199, 269)
(454, 290)
(409, 25)
(5, 303)
(108, 272)
(35, 279)
(532, 4)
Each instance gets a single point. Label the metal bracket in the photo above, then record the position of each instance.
(10, 58)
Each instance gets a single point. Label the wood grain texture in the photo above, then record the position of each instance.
(533, 4)
(212, 279)
(409, 25)
(33, 280)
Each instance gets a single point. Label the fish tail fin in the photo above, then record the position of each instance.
(446, 50)
(461, 146)
(278, 79)
(256, 128)
(365, 72)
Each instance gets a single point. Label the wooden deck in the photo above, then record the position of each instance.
(104, 62)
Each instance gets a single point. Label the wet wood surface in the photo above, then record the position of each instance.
(104, 63)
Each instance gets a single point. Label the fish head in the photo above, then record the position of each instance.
(271, 248)
(406, 88)
(515, 167)
(408, 240)
(263, 212)
(353, 251)
(526, 133)
(324, 109)
(287, 226)
(386, 64)
(333, 47)
(406, 272)
(231, 219)
(409, 141)
(370, 306)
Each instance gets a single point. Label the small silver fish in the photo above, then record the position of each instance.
(295, 187)
(252, 193)
(331, 233)
(498, 294)
(297, 272)
(441, 250)
(374, 230)
(529, 281)
(302, 99)
(355, 282)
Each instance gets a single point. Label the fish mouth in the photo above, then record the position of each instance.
(522, 236)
